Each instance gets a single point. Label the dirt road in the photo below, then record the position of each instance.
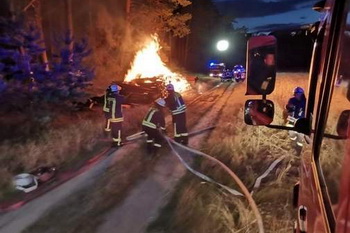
(149, 196)
(18, 220)
(145, 199)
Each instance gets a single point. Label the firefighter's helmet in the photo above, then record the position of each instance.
(115, 88)
(250, 104)
(160, 102)
(298, 90)
(170, 87)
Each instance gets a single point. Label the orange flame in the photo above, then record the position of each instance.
(147, 64)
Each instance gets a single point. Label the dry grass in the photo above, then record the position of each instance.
(85, 210)
(72, 138)
(247, 150)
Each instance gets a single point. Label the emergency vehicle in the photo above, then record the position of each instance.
(322, 196)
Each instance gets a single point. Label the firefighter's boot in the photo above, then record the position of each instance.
(184, 140)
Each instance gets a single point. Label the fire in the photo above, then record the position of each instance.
(147, 64)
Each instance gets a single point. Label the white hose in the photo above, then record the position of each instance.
(231, 173)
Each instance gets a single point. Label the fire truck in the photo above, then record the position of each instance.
(322, 196)
(217, 70)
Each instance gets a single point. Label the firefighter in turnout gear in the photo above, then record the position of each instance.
(295, 109)
(113, 112)
(177, 107)
(106, 111)
(153, 122)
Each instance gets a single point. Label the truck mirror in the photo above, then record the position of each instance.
(259, 112)
(261, 65)
(343, 124)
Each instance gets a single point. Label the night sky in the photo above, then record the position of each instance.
(267, 15)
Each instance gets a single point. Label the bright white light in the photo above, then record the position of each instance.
(222, 45)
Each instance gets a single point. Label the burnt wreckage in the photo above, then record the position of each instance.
(137, 91)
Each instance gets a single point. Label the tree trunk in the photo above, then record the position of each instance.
(12, 9)
(127, 20)
(186, 50)
(39, 22)
(171, 44)
(92, 24)
(69, 22)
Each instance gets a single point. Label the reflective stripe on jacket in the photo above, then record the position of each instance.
(114, 104)
(154, 119)
(106, 107)
(175, 103)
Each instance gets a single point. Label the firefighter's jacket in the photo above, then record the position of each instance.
(296, 108)
(113, 106)
(175, 103)
(154, 119)
(108, 94)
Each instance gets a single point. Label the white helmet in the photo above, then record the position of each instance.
(25, 182)
(115, 88)
(160, 102)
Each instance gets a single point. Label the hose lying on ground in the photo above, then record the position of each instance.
(201, 175)
(269, 169)
(142, 133)
(228, 170)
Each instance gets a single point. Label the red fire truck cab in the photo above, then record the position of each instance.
(322, 195)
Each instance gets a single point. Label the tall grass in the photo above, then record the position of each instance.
(70, 138)
(248, 151)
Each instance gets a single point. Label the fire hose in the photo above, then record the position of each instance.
(201, 175)
(269, 169)
(138, 135)
(208, 179)
(228, 170)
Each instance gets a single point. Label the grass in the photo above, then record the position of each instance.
(70, 140)
(84, 211)
(198, 206)
(201, 207)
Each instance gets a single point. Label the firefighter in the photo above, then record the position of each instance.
(106, 111)
(177, 107)
(114, 114)
(295, 109)
(152, 124)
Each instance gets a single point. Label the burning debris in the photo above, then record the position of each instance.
(148, 65)
(146, 79)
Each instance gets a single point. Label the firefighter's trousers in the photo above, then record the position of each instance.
(180, 128)
(107, 122)
(154, 139)
(116, 126)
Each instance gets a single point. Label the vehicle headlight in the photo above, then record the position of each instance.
(220, 75)
(211, 75)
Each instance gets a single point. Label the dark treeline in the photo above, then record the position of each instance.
(294, 49)
(116, 29)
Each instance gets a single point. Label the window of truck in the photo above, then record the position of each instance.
(333, 151)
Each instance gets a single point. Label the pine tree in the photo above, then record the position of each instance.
(70, 74)
(20, 51)
(24, 81)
